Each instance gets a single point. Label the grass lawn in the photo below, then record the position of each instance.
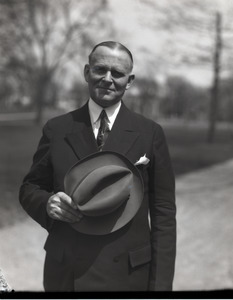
(188, 149)
(18, 143)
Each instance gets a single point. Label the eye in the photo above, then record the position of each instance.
(117, 74)
(99, 70)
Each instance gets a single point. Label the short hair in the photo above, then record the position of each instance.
(112, 45)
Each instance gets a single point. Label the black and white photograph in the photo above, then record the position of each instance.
(116, 156)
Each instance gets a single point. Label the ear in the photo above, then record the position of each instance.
(86, 72)
(130, 81)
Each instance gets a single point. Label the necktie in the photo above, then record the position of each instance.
(103, 130)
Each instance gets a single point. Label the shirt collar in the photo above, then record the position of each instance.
(95, 110)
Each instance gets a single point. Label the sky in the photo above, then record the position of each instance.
(157, 52)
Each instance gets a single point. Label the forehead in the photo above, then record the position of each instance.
(108, 56)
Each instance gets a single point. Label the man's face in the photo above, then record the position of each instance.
(108, 75)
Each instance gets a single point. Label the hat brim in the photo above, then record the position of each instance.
(120, 217)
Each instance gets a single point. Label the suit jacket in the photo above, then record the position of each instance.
(140, 256)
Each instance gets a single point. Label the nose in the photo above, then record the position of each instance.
(108, 76)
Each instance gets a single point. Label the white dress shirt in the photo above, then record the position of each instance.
(95, 110)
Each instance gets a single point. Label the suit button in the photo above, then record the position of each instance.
(116, 259)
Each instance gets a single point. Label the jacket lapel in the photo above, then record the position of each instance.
(82, 139)
(121, 138)
(123, 134)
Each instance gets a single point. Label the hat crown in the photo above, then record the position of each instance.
(103, 190)
(115, 203)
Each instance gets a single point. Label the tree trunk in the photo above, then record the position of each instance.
(213, 113)
(43, 83)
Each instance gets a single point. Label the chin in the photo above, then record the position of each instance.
(105, 101)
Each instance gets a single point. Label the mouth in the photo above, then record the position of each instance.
(105, 88)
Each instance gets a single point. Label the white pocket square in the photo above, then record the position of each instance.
(142, 160)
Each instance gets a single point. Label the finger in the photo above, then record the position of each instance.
(68, 209)
(66, 199)
(52, 203)
(68, 216)
(60, 217)
(60, 210)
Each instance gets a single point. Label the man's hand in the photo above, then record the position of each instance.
(61, 207)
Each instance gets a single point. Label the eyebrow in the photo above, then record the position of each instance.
(112, 69)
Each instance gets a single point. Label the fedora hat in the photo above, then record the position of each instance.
(107, 189)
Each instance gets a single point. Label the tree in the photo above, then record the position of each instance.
(40, 39)
(215, 88)
(189, 39)
(182, 99)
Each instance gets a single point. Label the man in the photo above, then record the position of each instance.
(137, 257)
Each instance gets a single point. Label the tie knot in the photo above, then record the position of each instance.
(103, 115)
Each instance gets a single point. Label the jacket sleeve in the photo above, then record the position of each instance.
(162, 215)
(37, 186)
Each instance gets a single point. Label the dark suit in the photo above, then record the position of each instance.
(130, 259)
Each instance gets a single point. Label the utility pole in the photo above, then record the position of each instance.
(213, 113)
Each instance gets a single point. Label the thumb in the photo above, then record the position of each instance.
(68, 200)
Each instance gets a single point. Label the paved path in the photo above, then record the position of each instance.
(205, 227)
(204, 246)
(22, 255)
